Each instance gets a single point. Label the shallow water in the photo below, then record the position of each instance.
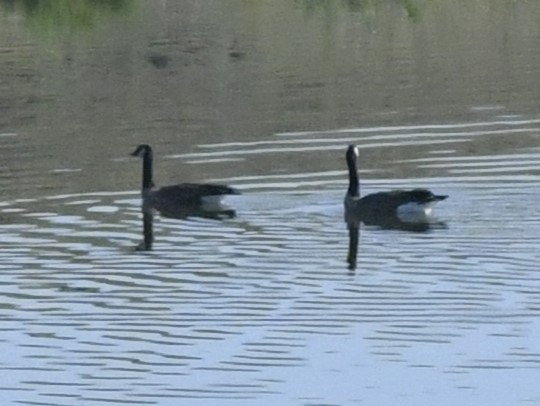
(262, 308)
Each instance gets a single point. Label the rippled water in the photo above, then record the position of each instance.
(262, 308)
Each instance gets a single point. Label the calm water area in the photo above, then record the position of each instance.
(261, 309)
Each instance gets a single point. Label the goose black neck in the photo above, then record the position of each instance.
(147, 169)
(354, 186)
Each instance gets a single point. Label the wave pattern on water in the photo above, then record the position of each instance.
(238, 309)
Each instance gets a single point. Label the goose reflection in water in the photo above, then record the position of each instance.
(178, 201)
(407, 210)
(390, 222)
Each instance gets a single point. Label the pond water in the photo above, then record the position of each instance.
(262, 308)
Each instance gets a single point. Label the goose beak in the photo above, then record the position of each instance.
(138, 152)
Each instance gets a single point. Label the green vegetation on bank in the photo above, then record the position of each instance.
(47, 17)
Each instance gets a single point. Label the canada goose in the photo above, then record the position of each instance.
(184, 199)
(404, 206)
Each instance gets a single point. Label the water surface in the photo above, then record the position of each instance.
(262, 308)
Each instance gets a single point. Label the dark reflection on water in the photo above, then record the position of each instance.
(352, 252)
(385, 223)
(176, 212)
(148, 231)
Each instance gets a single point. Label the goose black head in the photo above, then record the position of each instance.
(143, 150)
(352, 153)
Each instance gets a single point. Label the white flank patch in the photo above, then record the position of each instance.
(212, 203)
(415, 212)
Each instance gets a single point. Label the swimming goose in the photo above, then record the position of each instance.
(414, 206)
(181, 200)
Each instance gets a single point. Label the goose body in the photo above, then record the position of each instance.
(206, 196)
(414, 205)
(183, 199)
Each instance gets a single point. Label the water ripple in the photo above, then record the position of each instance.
(220, 304)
